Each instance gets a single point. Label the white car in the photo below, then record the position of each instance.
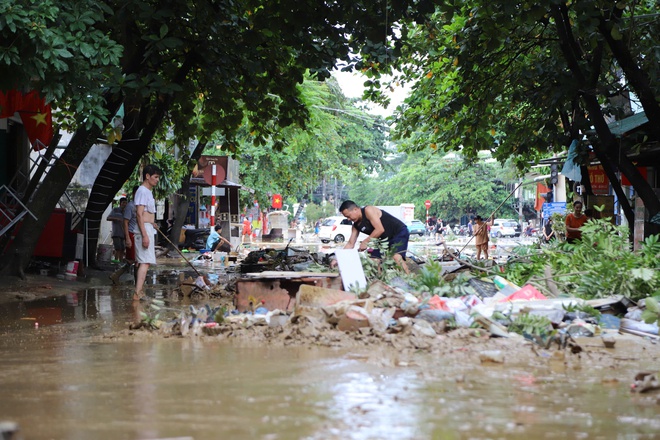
(503, 228)
(337, 229)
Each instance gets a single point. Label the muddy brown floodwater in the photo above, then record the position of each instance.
(64, 380)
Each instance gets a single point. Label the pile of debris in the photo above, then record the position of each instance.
(300, 309)
(595, 289)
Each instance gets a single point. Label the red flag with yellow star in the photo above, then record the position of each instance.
(277, 201)
(37, 120)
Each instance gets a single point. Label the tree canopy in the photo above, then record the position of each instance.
(454, 187)
(238, 64)
(521, 79)
(338, 141)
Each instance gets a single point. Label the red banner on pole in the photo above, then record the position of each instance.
(600, 184)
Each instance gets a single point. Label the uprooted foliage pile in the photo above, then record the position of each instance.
(546, 294)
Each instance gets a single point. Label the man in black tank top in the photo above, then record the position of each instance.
(377, 223)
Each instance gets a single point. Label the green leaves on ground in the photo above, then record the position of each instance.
(651, 313)
(600, 265)
(532, 325)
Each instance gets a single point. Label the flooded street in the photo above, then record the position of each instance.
(64, 380)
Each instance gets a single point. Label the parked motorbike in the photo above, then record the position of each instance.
(196, 238)
(460, 230)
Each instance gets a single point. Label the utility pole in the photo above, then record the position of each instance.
(335, 197)
(520, 204)
(324, 197)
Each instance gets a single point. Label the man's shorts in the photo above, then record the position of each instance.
(398, 244)
(482, 246)
(146, 255)
(119, 243)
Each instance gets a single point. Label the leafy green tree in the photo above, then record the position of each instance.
(58, 48)
(522, 79)
(455, 187)
(315, 212)
(244, 60)
(338, 141)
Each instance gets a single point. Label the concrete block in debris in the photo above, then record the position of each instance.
(608, 340)
(316, 313)
(354, 319)
(313, 296)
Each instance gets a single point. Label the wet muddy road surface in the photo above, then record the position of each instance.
(64, 380)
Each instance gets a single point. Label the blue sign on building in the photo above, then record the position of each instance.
(191, 215)
(551, 208)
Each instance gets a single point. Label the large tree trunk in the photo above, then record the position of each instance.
(637, 78)
(122, 161)
(616, 186)
(607, 141)
(623, 163)
(17, 257)
(115, 171)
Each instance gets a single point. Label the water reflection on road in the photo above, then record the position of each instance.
(62, 382)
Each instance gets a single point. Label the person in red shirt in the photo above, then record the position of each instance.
(247, 230)
(574, 222)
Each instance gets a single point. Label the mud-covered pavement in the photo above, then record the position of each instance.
(83, 374)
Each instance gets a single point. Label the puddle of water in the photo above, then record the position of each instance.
(59, 382)
(102, 305)
(72, 387)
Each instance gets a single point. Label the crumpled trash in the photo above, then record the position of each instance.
(505, 286)
(634, 313)
(434, 315)
(639, 326)
(555, 316)
(410, 304)
(644, 382)
(199, 282)
(380, 319)
(581, 328)
(526, 293)
(423, 328)
(463, 319)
